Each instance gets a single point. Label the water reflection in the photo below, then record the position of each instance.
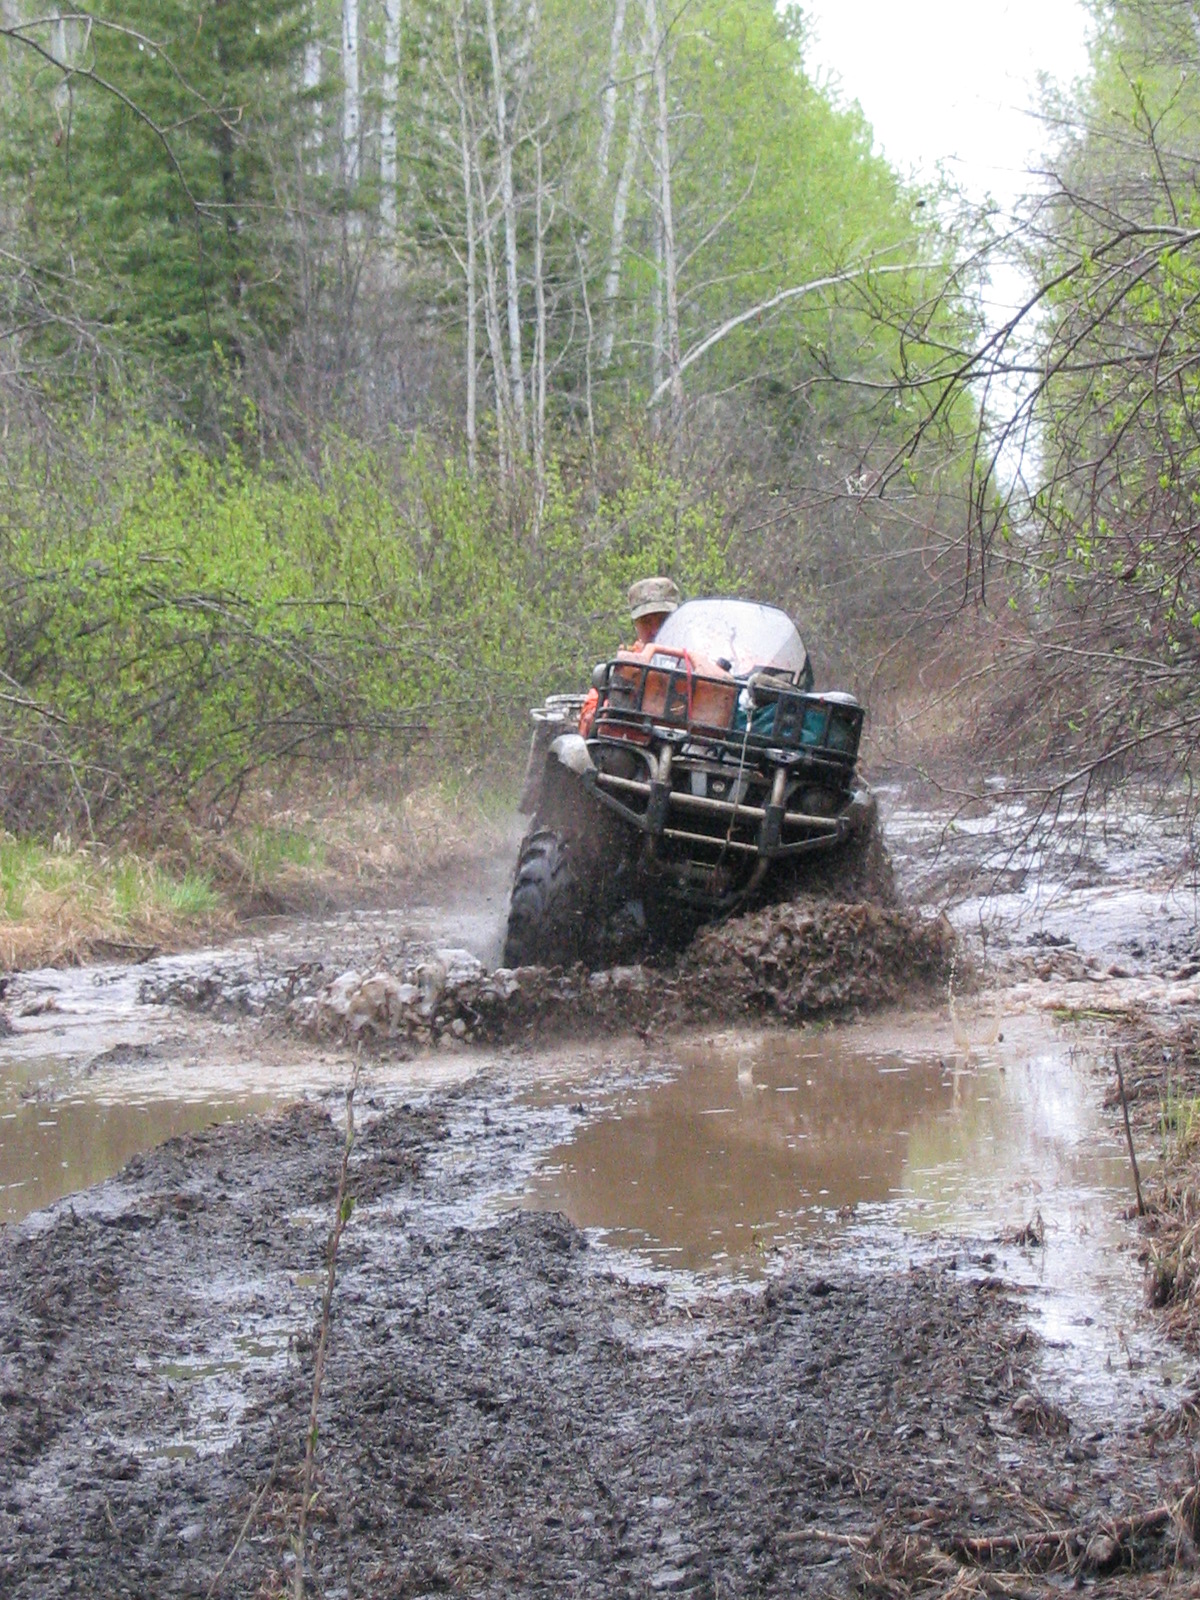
(744, 1148)
(750, 1146)
(53, 1144)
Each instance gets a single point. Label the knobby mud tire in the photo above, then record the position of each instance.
(548, 914)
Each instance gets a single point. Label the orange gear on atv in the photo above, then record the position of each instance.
(641, 651)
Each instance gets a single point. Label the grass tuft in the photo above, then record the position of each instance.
(58, 903)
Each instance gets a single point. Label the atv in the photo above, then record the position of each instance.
(701, 776)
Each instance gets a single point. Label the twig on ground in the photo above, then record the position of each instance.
(255, 1504)
(1137, 1177)
(343, 1205)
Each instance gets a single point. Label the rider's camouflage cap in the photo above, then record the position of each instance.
(648, 595)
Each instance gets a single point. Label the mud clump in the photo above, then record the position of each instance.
(810, 957)
(807, 958)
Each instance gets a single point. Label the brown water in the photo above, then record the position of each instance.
(755, 1143)
(873, 1145)
(748, 1145)
(55, 1141)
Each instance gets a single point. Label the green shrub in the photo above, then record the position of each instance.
(172, 622)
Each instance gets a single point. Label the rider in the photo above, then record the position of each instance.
(651, 602)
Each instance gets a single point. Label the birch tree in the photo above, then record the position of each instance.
(389, 96)
(509, 214)
(657, 32)
(467, 154)
(609, 103)
(351, 114)
(620, 201)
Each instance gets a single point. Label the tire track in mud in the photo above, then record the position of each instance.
(503, 1413)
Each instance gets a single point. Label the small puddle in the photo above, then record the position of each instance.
(55, 1140)
(92, 1072)
(815, 1142)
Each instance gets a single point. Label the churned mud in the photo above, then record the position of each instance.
(505, 1411)
(807, 958)
(671, 1279)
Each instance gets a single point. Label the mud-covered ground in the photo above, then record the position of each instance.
(507, 1407)
(502, 1412)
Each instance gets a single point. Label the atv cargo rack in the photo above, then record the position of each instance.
(667, 695)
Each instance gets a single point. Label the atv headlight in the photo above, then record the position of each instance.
(600, 676)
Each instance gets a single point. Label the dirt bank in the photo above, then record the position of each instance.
(504, 1414)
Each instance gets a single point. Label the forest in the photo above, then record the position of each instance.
(354, 359)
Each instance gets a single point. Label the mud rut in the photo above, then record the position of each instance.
(505, 1412)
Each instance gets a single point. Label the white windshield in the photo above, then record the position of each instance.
(739, 635)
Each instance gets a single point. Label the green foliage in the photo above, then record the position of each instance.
(268, 852)
(149, 215)
(124, 889)
(172, 622)
(1114, 541)
(310, 584)
(780, 186)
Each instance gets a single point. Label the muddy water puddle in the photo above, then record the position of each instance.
(875, 1145)
(94, 1070)
(57, 1138)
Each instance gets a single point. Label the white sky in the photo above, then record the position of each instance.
(954, 84)
(949, 80)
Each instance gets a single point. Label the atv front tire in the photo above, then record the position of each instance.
(548, 912)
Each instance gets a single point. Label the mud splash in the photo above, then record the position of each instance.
(807, 958)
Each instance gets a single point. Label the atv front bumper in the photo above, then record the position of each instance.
(710, 849)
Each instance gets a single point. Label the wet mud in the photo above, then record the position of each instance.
(795, 1387)
(502, 1412)
(810, 957)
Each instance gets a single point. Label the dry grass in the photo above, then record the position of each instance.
(346, 849)
(66, 904)
(899, 1562)
(1163, 1083)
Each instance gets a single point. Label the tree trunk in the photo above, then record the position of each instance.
(656, 344)
(311, 80)
(587, 355)
(659, 34)
(616, 244)
(350, 101)
(509, 211)
(608, 106)
(390, 92)
(491, 316)
(469, 268)
(539, 358)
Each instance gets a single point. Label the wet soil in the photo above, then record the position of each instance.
(502, 1411)
(513, 1405)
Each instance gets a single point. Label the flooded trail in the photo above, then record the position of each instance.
(619, 1316)
(877, 1144)
(95, 1067)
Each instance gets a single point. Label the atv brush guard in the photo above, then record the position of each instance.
(700, 764)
